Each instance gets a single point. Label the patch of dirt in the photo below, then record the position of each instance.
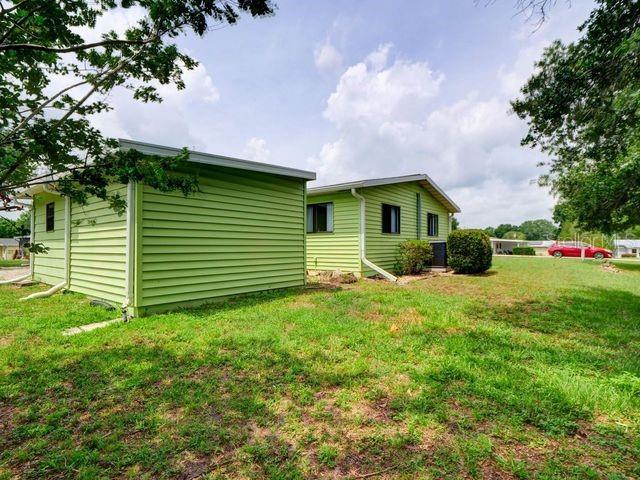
(610, 267)
(490, 471)
(532, 456)
(192, 467)
(7, 423)
(406, 279)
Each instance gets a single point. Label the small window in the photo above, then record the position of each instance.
(50, 216)
(320, 218)
(432, 224)
(390, 219)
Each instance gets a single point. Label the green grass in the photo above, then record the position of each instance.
(529, 371)
(626, 264)
(13, 263)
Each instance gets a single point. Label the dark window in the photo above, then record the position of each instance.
(432, 224)
(320, 218)
(50, 216)
(390, 219)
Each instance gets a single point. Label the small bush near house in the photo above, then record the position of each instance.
(523, 251)
(628, 255)
(469, 251)
(413, 256)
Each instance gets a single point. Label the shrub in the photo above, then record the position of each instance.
(523, 251)
(413, 256)
(469, 251)
(628, 255)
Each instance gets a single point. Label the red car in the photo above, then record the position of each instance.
(574, 249)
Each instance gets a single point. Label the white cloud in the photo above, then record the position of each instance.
(387, 124)
(327, 57)
(256, 150)
(172, 122)
(199, 88)
(372, 91)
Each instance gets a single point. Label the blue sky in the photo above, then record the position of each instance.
(363, 89)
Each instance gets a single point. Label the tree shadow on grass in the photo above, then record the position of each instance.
(253, 299)
(164, 408)
(149, 410)
(554, 367)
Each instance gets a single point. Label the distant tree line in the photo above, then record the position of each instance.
(530, 230)
(545, 230)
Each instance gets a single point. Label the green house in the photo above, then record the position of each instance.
(243, 232)
(356, 227)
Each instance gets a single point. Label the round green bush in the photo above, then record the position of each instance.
(469, 251)
(413, 256)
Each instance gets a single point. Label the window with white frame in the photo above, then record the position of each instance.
(390, 218)
(320, 218)
(432, 224)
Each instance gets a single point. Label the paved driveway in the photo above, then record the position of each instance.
(7, 273)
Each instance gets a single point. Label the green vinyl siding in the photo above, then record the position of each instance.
(49, 267)
(98, 248)
(243, 232)
(338, 249)
(381, 247)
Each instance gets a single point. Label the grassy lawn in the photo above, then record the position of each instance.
(529, 371)
(13, 263)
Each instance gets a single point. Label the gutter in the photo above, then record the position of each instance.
(363, 250)
(130, 249)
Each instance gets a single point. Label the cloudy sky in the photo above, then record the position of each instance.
(364, 89)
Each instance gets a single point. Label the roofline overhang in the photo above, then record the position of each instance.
(423, 178)
(217, 160)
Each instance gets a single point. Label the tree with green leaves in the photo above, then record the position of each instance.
(503, 228)
(455, 223)
(582, 106)
(538, 229)
(44, 126)
(514, 235)
(490, 231)
(21, 226)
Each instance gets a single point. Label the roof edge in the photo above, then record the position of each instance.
(433, 188)
(217, 160)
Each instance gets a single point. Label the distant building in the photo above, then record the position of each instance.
(626, 248)
(8, 248)
(541, 246)
(504, 246)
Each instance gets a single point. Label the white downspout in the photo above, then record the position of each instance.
(32, 236)
(67, 241)
(129, 260)
(363, 249)
(67, 256)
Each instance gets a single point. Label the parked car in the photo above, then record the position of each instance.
(574, 249)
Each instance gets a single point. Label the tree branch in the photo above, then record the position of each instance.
(73, 48)
(18, 23)
(4, 11)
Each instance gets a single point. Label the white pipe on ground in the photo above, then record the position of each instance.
(363, 249)
(17, 279)
(47, 293)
